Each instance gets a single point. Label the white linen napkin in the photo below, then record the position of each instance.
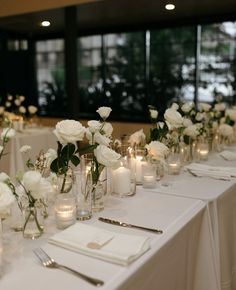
(228, 155)
(99, 243)
(217, 172)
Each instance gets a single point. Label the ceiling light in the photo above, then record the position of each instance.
(45, 23)
(170, 6)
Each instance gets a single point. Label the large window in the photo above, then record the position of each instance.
(51, 77)
(218, 62)
(128, 71)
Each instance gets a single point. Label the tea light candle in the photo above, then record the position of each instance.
(203, 154)
(65, 215)
(149, 181)
(122, 181)
(174, 168)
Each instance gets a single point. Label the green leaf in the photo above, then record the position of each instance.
(68, 151)
(54, 166)
(75, 160)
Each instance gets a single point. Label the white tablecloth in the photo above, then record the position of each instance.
(221, 198)
(38, 138)
(182, 258)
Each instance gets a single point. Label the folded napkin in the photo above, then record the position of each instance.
(217, 172)
(228, 155)
(99, 243)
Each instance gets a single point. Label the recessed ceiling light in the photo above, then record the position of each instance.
(45, 23)
(170, 6)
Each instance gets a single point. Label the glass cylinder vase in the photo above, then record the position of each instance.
(33, 225)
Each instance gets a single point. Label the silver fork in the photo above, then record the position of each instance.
(50, 263)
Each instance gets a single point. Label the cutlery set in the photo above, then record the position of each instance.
(49, 262)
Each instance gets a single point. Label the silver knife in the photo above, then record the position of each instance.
(117, 223)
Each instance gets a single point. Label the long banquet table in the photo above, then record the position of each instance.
(197, 250)
(182, 258)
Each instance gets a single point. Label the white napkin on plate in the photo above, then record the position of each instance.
(216, 172)
(99, 243)
(228, 155)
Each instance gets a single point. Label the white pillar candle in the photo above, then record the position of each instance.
(138, 169)
(174, 168)
(122, 181)
(149, 181)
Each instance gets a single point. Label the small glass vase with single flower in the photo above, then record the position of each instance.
(68, 133)
(31, 195)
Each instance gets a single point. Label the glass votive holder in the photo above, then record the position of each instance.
(65, 210)
(149, 175)
(82, 189)
(140, 159)
(203, 149)
(123, 180)
(174, 164)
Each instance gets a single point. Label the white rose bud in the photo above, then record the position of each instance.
(22, 110)
(153, 113)
(175, 106)
(104, 112)
(32, 109)
(17, 102)
(7, 104)
(22, 98)
(9, 97)
(25, 148)
(94, 126)
(187, 107)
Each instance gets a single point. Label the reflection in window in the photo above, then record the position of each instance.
(51, 76)
(172, 66)
(218, 62)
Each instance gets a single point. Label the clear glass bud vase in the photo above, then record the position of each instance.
(32, 228)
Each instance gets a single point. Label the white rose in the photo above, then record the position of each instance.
(204, 107)
(8, 133)
(6, 197)
(101, 139)
(174, 106)
(107, 129)
(200, 116)
(137, 138)
(107, 156)
(187, 122)
(22, 109)
(31, 180)
(117, 143)
(45, 188)
(4, 177)
(2, 109)
(22, 98)
(173, 119)
(10, 97)
(232, 114)
(160, 125)
(220, 107)
(157, 149)
(1, 148)
(104, 112)
(215, 125)
(7, 104)
(69, 131)
(17, 102)
(25, 148)
(187, 107)
(32, 109)
(222, 120)
(94, 126)
(191, 131)
(153, 113)
(225, 130)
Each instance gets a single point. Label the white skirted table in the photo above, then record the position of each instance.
(182, 258)
(38, 138)
(220, 197)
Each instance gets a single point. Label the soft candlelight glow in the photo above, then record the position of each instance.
(65, 212)
(170, 6)
(174, 168)
(149, 181)
(203, 154)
